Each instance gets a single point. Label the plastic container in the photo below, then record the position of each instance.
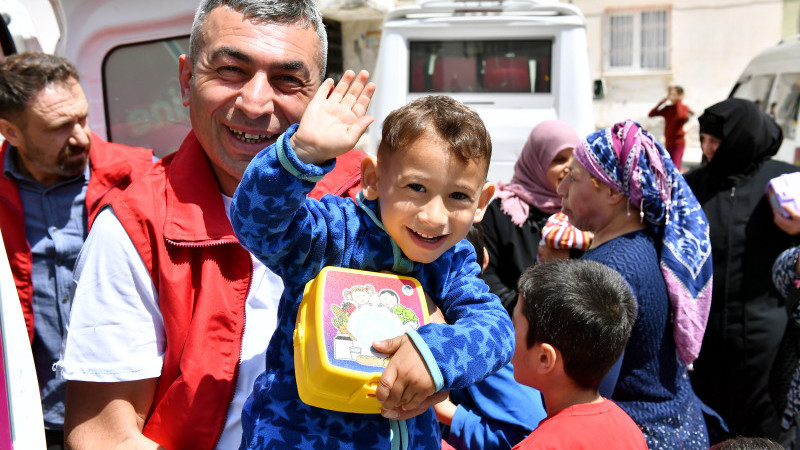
(342, 312)
(784, 190)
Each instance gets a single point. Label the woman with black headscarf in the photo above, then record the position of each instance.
(747, 317)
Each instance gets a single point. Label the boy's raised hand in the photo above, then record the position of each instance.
(406, 382)
(335, 118)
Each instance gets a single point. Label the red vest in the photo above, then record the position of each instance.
(176, 219)
(112, 167)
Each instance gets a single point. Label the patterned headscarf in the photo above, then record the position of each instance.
(629, 159)
(530, 186)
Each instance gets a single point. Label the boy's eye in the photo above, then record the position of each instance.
(459, 196)
(416, 187)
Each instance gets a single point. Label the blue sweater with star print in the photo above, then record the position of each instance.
(296, 237)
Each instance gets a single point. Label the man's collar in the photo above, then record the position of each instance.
(11, 169)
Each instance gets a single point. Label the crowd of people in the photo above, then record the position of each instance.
(600, 298)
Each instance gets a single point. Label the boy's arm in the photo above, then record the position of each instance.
(480, 337)
(440, 357)
(269, 213)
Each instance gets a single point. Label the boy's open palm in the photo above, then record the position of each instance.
(406, 381)
(335, 118)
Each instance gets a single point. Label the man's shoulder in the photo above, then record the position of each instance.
(344, 179)
(116, 149)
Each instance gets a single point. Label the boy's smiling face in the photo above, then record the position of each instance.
(428, 197)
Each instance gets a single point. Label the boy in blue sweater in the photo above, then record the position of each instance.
(419, 197)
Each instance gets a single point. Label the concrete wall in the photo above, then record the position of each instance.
(711, 40)
(361, 41)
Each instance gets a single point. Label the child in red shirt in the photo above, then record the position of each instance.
(571, 323)
(675, 115)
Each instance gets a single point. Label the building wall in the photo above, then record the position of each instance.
(791, 17)
(361, 41)
(711, 41)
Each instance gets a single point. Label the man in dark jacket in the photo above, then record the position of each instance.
(747, 316)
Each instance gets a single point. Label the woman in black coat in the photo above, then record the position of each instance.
(747, 316)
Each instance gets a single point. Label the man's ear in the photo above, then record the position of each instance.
(486, 196)
(11, 132)
(370, 177)
(185, 77)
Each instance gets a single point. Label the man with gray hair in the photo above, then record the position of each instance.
(171, 315)
(55, 175)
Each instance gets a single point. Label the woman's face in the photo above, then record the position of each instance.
(709, 144)
(559, 167)
(581, 200)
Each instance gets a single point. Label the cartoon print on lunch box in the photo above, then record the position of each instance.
(365, 314)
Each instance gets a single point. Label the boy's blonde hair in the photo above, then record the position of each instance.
(456, 124)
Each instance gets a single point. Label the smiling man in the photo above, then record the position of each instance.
(172, 316)
(56, 173)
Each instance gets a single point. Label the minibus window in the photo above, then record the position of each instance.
(787, 102)
(518, 66)
(142, 95)
(756, 89)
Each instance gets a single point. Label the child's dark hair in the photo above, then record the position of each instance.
(457, 125)
(747, 443)
(584, 309)
(475, 237)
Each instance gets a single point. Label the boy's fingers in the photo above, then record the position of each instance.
(356, 89)
(362, 103)
(389, 345)
(342, 87)
(408, 413)
(324, 90)
(412, 402)
(385, 384)
(356, 130)
(389, 389)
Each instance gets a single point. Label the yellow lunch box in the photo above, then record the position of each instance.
(342, 313)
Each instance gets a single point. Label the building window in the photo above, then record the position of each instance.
(335, 67)
(637, 40)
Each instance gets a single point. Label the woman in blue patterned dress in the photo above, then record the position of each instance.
(649, 227)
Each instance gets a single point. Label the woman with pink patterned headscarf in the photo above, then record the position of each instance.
(649, 227)
(514, 220)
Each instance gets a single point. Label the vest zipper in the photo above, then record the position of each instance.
(241, 351)
(213, 243)
(244, 320)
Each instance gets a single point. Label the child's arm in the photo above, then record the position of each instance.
(269, 212)
(479, 341)
(334, 120)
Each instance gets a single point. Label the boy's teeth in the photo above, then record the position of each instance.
(426, 236)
